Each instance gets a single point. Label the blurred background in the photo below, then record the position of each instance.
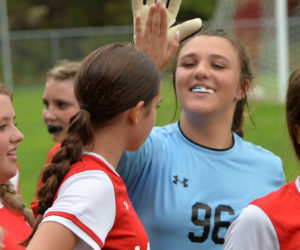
(36, 34)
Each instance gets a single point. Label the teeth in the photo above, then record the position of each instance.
(202, 89)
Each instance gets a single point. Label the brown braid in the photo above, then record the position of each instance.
(79, 134)
(1, 238)
(13, 201)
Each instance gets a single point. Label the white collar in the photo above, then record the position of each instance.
(102, 159)
(298, 183)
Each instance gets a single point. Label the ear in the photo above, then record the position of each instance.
(297, 132)
(135, 113)
(242, 91)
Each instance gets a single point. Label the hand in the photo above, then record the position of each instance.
(186, 29)
(152, 39)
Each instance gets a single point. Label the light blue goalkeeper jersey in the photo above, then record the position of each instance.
(187, 195)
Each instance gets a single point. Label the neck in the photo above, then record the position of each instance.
(208, 131)
(109, 143)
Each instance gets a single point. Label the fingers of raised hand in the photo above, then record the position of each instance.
(158, 18)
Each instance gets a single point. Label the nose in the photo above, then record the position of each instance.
(17, 135)
(48, 114)
(201, 70)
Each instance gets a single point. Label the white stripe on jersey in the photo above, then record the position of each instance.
(96, 189)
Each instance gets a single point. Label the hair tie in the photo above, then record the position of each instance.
(41, 211)
(87, 108)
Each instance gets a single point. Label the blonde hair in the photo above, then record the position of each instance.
(65, 70)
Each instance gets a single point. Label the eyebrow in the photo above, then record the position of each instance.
(6, 118)
(216, 56)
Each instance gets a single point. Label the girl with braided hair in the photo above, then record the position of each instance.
(15, 220)
(83, 202)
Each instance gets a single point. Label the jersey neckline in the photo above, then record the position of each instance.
(102, 159)
(213, 149)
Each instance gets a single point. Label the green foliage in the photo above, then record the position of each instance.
(41, 14)
(33, 150)
(196, 8)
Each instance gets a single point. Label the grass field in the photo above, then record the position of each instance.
(270, 132)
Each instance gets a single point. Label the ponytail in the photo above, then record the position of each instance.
(79, 134)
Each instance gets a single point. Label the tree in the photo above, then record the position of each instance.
(50, 14)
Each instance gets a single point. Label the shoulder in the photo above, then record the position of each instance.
(279, 201)
(166, 131)
(252, 150)
(77, 194)
(251, 230)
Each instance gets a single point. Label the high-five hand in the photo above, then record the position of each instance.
(186, 29)
(152, 39)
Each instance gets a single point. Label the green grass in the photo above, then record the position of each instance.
(270, 132)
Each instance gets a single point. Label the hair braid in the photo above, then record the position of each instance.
(79, 134)
(13, 201)
(1, 238)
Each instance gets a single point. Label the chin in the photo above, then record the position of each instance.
(57, 138)
(9, 173)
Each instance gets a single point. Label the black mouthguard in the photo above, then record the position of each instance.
(53, 129)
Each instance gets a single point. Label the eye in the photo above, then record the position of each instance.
(62, 105)
(188, 64)
(218, 66)
(46, 104)
(2, 127)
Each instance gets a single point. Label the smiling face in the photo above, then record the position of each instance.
(208, 76)
(10, 137)
(60, 106)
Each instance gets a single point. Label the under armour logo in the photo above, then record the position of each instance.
(184, 182)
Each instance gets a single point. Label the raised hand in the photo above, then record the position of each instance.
(186, 29)
(153, 39)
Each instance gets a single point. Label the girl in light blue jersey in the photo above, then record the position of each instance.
(192, 178)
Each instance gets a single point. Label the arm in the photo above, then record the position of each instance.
(252, 230)
(64, 238)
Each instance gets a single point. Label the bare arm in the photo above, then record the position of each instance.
(52, 235)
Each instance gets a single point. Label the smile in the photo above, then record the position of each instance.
(202, 89)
